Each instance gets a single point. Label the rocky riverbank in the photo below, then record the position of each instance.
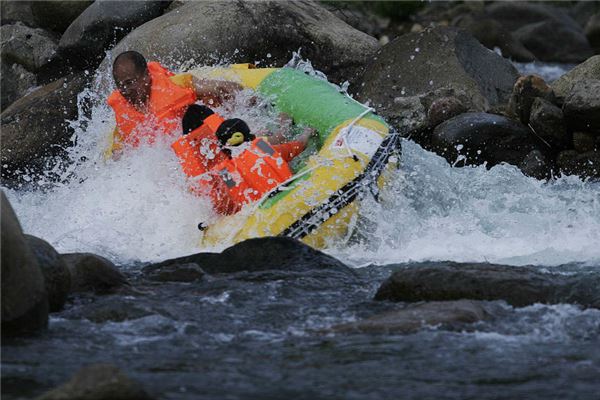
(430, 65)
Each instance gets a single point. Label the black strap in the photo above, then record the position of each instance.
(348, 193)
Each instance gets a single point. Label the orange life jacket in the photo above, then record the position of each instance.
(251, 174)
(166, 105)
(199, 151)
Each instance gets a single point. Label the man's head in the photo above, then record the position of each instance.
(132, 78)
(194, 117)
(233, 132)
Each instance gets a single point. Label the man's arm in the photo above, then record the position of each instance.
(214, 92)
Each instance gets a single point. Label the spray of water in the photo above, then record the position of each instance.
(139, 208)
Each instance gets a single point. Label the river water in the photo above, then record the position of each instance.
(240, 337)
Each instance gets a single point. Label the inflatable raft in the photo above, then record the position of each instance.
(320, 201)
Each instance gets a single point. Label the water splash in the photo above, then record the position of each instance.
(139, 208)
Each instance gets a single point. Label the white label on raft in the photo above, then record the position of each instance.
(359, 139)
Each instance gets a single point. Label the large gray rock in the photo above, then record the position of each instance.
(590, 69)
(481, 137)
(448, 314)
(248, 31)
(35, 129)
(92, 273)
(518, 286)
(57, 277)
(15, 82)
(30, 47)
(439, 62)
(24, 299)
(592, 31)
(547, 31)
(101, 26)
(98, 382)
(57, 15)
(582, 106)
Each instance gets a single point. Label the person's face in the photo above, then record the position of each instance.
(135, 87)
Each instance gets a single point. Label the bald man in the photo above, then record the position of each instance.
(150, 100)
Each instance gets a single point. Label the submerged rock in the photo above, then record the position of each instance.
(262, 254)
(570, 162)
(417, 316)
(101, 26)
(431, 64)
(24, 298)
(590, 69)
(98, 382)
(267, 32)
(482, 138)
(175, 273)
(92, 273)
(57, 277)
(535, 164)
(35, 129)
(13, 11)
(518, 286)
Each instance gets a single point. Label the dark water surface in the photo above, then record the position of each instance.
(261, 335)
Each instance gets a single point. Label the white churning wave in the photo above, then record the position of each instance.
(138, 208)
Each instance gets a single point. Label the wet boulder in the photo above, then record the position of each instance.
(592, 31)
(57, 277)
(24, 298)
(582, 106)
(585, 165)
(439, 62)
(267, 32)
(15, 82)
(30, 47)
(590, 69)
(57, 15)
(546, 31)
(479, 138)
(518, 286)
(101, 26)
(260, 254)
(547, 121)
(92, 273)
(444, 108)
(536, 164)
(108, 309)
(493, 35)
(36, 130)
(447, 314)
(98, 382)
(526, 89)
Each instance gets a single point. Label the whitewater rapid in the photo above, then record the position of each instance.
(137, 209)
